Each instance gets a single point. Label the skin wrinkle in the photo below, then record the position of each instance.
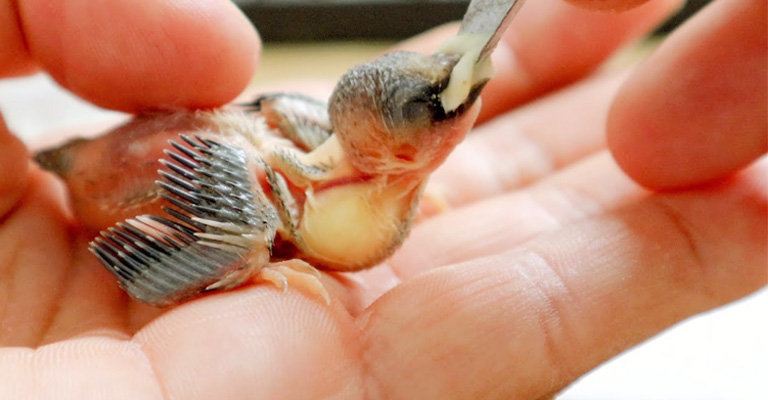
(578, 202)
(7, 277)
(55, 309)
(61, 289)
(373, 388)
(152, 368)
(47, 323)
(49, 336)
(557, 213)
(32, 190)
(680, 229)
(653, 216)
(752, 197)
(681, 226)
(568, 295)
(551, 319)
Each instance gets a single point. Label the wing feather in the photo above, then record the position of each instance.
(217, 216)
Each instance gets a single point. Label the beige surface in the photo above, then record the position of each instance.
(286, 62)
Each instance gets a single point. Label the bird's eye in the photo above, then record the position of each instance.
(408, 102)
(415, 110)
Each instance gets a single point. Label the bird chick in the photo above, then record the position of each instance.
(272, 189)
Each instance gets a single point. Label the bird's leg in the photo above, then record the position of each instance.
(286, 205)
(305, 121)
(300, 118)
(299, 168)
(295, 272)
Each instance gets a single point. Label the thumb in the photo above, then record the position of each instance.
(696, 110)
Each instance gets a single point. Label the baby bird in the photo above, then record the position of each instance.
(193, 201)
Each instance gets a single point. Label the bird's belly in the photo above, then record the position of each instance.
(352, 227)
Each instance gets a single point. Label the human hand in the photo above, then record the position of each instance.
(557, 261)
(482, 312)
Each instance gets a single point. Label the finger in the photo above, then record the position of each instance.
(254, 343)
(551, 44)
(523, 146)
(88, 368)
(13, 169)
(135, 55)
(696, 110)
(528, 322)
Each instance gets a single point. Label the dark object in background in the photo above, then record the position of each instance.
(691, 7)
(313, 20)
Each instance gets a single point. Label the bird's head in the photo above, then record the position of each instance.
(389, 117)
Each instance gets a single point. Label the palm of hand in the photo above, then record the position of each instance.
(557, 265)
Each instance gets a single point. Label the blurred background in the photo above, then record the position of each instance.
(313, 20)
(722, 354)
